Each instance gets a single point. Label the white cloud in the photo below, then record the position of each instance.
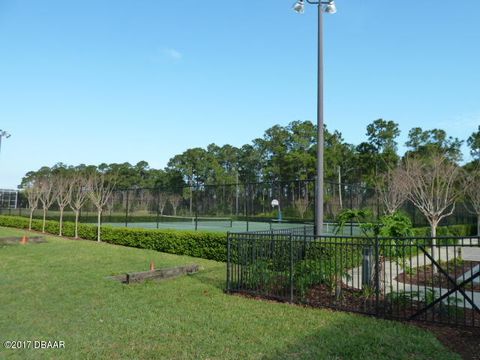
(172, 53)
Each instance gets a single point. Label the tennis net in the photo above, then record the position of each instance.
(210, 221)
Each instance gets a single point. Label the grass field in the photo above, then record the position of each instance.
(59, 291)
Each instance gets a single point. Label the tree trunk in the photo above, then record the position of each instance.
(191, 201)
(99, 221)
(60, 232)
(77, 214)
(340, 187)
(44, 219)
(31, 218)
(433, 227)
(237, 194)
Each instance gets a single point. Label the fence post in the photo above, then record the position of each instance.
(291, 267)
(377, 274)
(304, 249)
(158, 208)
(351, 208)
(196, 206)
(247, 203)
(229, 261)
(126, 210)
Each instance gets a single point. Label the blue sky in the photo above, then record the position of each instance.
(86, 81)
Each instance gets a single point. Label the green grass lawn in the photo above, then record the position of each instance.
(59, 291)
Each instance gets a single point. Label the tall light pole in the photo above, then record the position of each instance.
(3, 134)
(329, 8)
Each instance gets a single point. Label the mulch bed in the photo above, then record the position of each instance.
(463, 341)
(425, 276)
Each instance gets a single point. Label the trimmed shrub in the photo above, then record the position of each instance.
(451, 230)
(206, 245)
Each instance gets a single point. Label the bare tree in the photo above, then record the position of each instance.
(472, 192)
(32, 191)
(175, 201)
(392, 190)
(432, 185)
(111, 203)
(301, 204)
(145, 198)
(64, 184)
(433, 189)
(162, 200)
(48, 194)
(101, 187)
(79, 195)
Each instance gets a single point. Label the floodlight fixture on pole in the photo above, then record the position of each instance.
(328, 7)
(299, 7)
(3, 134)
(331, 8)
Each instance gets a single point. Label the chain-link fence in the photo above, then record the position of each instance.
(235, 207)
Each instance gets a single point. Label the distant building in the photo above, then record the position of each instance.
(8, 199)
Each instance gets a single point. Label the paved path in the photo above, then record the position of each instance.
(392, 270)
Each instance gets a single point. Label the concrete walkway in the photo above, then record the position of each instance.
(392, 270)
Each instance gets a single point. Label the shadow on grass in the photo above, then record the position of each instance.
(213, 276)
(347, 336)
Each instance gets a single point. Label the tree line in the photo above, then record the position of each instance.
(288, 153)
(284, 153)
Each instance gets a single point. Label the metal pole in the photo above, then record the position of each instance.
(320, 122)
(291, 269)
(228, 260)
(196, 206)
(158, 208)
(126, 210)
(247, 200)
(377, 275)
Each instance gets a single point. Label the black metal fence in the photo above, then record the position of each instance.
(425, 279)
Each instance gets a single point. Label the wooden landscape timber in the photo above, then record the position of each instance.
(158, 274)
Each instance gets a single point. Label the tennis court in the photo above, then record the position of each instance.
(226, 224)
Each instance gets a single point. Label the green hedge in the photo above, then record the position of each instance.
(451, 230)
(207, 245)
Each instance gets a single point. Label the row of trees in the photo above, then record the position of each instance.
(433, 184)
(288, 153)
(68, 187)
(283, 154)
